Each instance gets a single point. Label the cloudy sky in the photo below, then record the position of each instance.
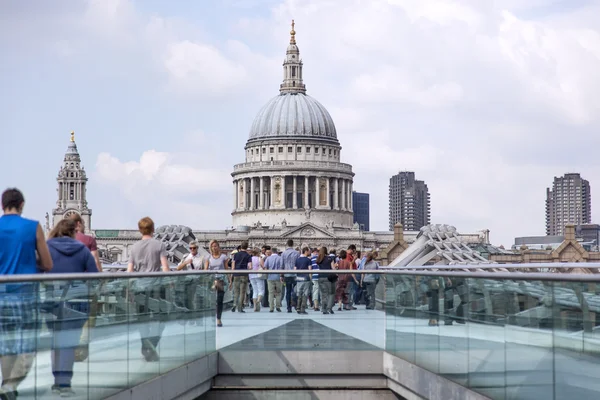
(485, 100)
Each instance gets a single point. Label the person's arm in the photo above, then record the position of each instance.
(163, 259)
(186, 261)
(94, 250)
(90, 263)
(97, 260)
(41, 246)
(130, 266)
(164, 263)
(206, 263)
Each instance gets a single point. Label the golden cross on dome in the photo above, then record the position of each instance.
(293, 33)
(72, 136)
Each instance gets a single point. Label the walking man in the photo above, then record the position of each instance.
(20, 238)
(289, 257)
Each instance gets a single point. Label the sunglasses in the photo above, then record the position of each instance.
(193, 248)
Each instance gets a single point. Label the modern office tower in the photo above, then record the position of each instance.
(360, 201)
(568, 202)
(409, 202)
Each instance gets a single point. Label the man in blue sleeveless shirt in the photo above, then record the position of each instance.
(20, 238)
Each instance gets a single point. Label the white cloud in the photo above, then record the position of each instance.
(199, 66)
(483, 102)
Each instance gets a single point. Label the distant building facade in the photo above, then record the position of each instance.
(72, 188)
(409, 202)
(568, 202)
(360, 201)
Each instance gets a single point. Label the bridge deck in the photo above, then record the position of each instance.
(497, 360)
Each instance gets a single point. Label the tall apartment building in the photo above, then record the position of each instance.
(409, 202)
(568, 202)
(360, 203)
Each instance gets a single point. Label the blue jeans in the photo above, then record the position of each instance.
(290, 284)
(66, 329)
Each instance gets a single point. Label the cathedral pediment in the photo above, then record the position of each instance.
(308, 231)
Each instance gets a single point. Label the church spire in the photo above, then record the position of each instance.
(72, 185)
(292, 68)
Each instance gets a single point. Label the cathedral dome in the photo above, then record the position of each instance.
(293, 115)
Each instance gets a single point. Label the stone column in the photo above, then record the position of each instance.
(343, 195)
(295, 194)
(328, 198)
(317, 196)
(235, 194)
(306, 205)
(272, 193)
(261, 196)
(350, 196)
(336, 194)
(252, 197)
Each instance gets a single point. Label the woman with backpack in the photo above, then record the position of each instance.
(68, 256)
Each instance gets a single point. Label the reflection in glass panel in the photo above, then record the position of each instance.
(101, 336)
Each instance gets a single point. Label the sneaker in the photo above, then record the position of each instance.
(67, 392)
(55, 389)
(7, 393)
(278, 309)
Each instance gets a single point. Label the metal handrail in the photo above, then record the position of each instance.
(533, 276)
(587, 265)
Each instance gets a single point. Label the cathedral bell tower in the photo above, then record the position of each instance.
(72, 183)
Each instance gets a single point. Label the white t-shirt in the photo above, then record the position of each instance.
(196, 261)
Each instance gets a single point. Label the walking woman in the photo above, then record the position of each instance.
(215, 262)
(256, 280)
(326, 281)
(68, 256)
(369, 281)
(341, 294)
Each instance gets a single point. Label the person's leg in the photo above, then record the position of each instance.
(236, 292)
(271, 289)
(278, 293)
(315, 294)
(371, 295)
(220, 296)
(243, 287)
(254, 285)
(15, 368)
(298, 290)
(265, 302)
(434, 306)
(261, 291)
(288, 293)
(324, 293)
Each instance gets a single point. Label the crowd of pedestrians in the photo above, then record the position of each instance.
(302, 291)
(291, 276)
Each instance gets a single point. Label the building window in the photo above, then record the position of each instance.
(290, 149)
(251, 152)
(308, 149)
(264, 150)
(281, 149)
(329, 151)
(316, 150)
(335, 152)
(271, 150)
(299, 149)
